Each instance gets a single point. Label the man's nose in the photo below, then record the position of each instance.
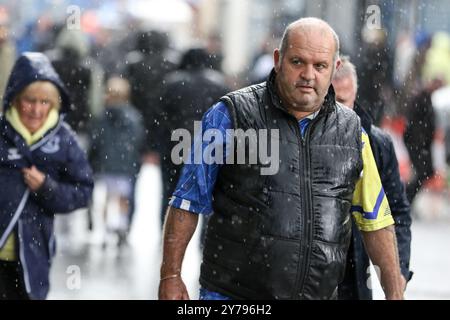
(307, 73)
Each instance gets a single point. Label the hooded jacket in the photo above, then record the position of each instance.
(68, 183)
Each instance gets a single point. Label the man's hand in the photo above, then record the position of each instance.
(33, 178)
(173, 289)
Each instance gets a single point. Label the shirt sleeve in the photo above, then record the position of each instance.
(370, 206)
(198, 176)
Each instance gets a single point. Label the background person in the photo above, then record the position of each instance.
(354, 286)
(117, 139)
(46, 173)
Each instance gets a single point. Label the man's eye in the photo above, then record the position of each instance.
(296, 62)
(320, 66)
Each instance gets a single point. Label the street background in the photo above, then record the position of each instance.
(401, 49)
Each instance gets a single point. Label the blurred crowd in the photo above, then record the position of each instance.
(406, 89)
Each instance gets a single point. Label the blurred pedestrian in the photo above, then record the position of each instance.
(147, 67)
(354, 286)
(69, 60)
(376, 74)
(189, 92)
(262, 62)
(117, 138)
(43, 171)
(419, 136)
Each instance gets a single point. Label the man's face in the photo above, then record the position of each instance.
(345, 91)
(305, 70)
(34, 105)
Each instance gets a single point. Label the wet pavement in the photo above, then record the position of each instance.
(86, 269)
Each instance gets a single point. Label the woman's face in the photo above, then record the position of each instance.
(34, 104)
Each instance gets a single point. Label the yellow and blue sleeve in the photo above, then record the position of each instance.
(370, 206)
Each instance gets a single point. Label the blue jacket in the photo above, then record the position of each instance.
(354, 286)
(68, 183)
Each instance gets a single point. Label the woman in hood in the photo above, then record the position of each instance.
(43, 171)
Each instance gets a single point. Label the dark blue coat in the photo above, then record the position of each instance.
(355, 285)
(68, 183)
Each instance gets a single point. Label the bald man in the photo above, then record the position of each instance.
(354, 286)
(280, 227)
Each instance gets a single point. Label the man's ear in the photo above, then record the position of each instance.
(276, 59)
(338, 64)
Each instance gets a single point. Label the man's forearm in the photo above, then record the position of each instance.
(178, 230)
(381, 246)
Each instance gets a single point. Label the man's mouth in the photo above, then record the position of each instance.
(305, 88)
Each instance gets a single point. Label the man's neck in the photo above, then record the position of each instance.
(299, 115)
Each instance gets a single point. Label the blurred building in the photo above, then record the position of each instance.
(245, 25)
(242, 26)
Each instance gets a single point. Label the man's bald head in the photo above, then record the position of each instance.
(308, 25)
(305, 67)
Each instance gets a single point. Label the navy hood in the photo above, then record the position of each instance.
(31, 67)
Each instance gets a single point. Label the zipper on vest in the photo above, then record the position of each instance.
(308, 204)
(305, 181)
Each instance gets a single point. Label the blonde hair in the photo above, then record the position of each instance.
(47, 86)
